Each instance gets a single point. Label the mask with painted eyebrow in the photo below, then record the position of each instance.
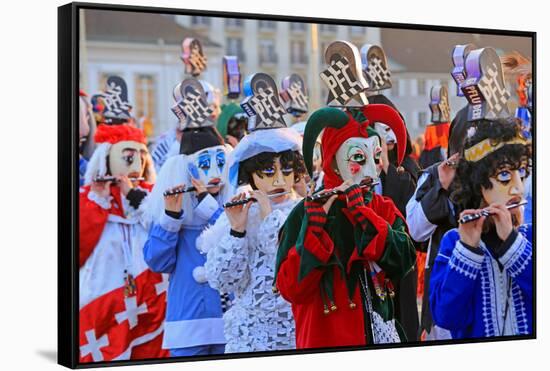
(357, 158)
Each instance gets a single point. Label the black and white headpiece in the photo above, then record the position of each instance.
(191, 107)
(460, 52)
(294, 95)
(116, 109)
(484, 86)
(344, 76)
(375, 68)
(439, 104)
(193, 56)
(262, 104)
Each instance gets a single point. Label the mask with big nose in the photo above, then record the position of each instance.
(274, 179)
(357, 159)
(127, 158)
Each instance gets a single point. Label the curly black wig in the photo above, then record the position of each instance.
(472, 176)
(265, 160)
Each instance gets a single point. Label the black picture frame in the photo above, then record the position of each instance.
(68, 178)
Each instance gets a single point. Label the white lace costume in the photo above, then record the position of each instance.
(259, 319)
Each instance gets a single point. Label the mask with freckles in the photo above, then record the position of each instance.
(127, 158)
(357, 159)
(208, 165)
(275, 179)
(507, 188)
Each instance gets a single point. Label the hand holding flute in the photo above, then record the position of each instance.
(471, 222)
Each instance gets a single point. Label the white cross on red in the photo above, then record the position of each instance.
(94, 345)
(162, 286)
(132, 312)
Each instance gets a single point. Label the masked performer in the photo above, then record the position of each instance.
(397, 180)
(243, 242)
(336, 258)
(430, 212)
(436, 135)
(194, 60)
(193, 319)
(481, 284)
(122, 304)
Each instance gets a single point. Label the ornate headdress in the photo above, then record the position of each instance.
(111, 106)
(294, 94)
(267, 124)
(344, 76)
(375, 68)
(484, 87)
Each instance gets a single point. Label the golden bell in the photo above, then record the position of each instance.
(352, 305)
(274, 290)
(326, 311)
(333, 307)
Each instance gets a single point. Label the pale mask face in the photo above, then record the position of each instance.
(507, 188)
(128, 158)
(275, 179)
(208, 165)
(386, 133)
(357, 159)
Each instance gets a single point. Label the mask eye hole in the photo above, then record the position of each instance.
(129, 159)
(358, 156)
(287, 171)
(204, 163)
(504, 176)
(220, 159)
(523, 173)
(268, 171)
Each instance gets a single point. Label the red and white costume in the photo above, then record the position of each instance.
(122, 302)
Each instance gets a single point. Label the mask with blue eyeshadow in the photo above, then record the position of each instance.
(208, 166)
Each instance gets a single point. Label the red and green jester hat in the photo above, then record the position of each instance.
(324, 260)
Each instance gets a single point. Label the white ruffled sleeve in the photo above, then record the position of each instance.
(269, 231)
(227, 257)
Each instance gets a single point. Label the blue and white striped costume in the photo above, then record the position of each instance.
(475, 294)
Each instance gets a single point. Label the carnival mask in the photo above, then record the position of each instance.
(386, 133)
(277, 178)
(357, 159)
(208, 165)
(127, 158)
(507, 188)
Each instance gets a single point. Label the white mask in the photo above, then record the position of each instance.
(127, 158)
(385, 132)
(357, 159)
(208, 164)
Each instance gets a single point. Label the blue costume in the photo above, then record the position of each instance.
(194, 323)
(485, 291)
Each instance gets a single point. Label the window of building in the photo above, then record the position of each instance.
(327, 28)
(145, 86)
(268, 25)
(422, 119)
(267, 51)
(401, 87)
(298, 27)
(200, 21)
(234, 46)
(232, 22)
(421, 87)
(298, 52)
(357, 30)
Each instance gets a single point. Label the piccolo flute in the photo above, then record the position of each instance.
(472, 217)
(251, 199)
(105, 179)
(190, 189)
(327, 194)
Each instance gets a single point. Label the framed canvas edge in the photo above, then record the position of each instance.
(68, 185)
